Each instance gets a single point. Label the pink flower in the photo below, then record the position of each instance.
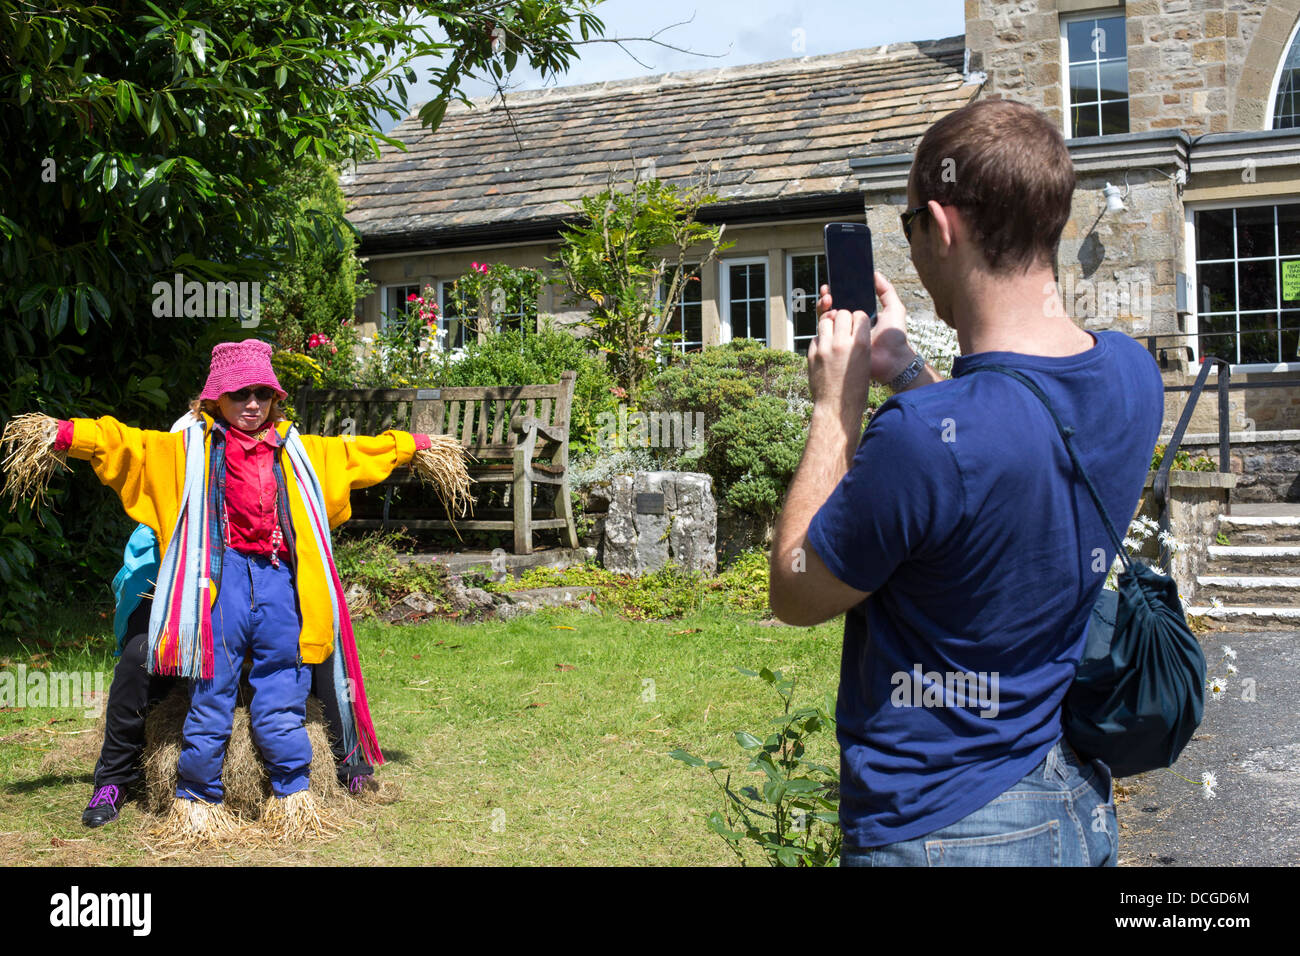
(412, 297)
(313, 341)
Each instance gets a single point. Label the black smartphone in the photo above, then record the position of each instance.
(850, 270)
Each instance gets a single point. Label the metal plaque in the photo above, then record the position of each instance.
(651, 504)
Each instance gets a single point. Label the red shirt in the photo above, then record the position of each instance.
(251, 492)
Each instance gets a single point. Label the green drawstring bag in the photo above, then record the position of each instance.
(1139, 691)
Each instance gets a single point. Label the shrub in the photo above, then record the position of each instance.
(757, 408)
(371, 561)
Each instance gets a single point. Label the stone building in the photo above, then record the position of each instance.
(1180, 115)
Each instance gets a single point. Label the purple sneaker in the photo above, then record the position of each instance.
(103, 806)
(360, 782)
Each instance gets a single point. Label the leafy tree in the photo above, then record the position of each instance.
(313, 295)
(140, 144)
(614, 259)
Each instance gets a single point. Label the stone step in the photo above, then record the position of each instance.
(1250, 590)
(1246, 615)
(1260, 529)
(1269, 560)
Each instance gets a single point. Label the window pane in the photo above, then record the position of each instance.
(1257, 285)
(805, 321)
(1114, 80)
(1114, 117)
(803, 274)
(1085, 121)
(1255, 232)
(694, 324)
(1222, 346)
(758, 321)
(1112, 42)
(1259, 347)
(739, 320)
(1216, 290)
(1083, 83)
(1214, 234)
(1288, 229)
(1078, 38)
(1291, 339)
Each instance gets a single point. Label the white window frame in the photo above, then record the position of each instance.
(789, 292)
(724, 294)
(1270, 106)
(1190, 263)
(383, 297)
(1065, 19)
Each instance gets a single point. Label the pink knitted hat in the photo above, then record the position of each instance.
(237, 365)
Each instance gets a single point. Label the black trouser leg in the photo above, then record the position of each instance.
(133, 690)
(332, 702)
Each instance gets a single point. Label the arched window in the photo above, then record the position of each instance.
(1286, 102)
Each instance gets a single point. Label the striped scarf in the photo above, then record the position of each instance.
(180, 624)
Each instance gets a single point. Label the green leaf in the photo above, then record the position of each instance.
(109, 178)
(747, 740)
(802, 785)
(684, 757)
(787, 857)
(123, 101)
(718, 824)
(767, 675)
(281, 74)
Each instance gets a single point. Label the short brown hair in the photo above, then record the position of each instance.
(1006, 166)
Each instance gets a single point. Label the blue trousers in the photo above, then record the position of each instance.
(255, 610)
(1061, 813)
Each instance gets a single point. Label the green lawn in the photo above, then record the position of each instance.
(537, 741)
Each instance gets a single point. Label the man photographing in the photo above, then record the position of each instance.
(955, 531)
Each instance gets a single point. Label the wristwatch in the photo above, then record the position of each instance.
(904, 378)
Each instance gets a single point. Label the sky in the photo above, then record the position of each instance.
(720, 33)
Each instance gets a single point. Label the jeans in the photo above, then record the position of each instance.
(255, 610)
(1061, 813)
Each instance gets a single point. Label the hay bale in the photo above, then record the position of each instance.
(244, 775)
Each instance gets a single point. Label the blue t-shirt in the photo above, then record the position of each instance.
(984, 553)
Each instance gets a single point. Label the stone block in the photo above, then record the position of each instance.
(685, 533)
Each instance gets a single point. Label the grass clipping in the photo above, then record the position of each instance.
(250, 815)
(29, 459)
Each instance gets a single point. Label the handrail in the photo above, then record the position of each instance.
(1160, 487)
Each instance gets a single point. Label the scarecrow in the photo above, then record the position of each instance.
(242, 505)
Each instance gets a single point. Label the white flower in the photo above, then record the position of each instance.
(1209, 781)
(1215, 602)
(1218, 687)
(1232, 668)
(1229, 653)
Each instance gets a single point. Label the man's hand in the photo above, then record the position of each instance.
(890, 353)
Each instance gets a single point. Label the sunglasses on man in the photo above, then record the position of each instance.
(262, 393)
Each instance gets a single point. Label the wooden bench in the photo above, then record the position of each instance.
(517, 434)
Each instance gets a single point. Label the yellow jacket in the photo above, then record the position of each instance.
(147, 470)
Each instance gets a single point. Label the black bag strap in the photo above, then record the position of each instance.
(1066, 431)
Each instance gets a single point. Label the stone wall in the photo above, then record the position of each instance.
(1266, 470)
(1196, 500)
(1186, 58)
(1249, 409)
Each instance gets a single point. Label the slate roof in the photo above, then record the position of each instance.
(782, 134)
